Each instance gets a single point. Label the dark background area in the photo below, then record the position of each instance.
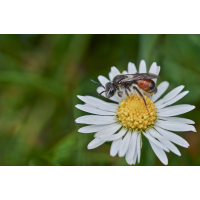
(40, 76)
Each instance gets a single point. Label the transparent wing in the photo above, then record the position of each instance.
(138, 76)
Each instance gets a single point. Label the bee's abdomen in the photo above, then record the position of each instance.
(144, 85)
(153, 88)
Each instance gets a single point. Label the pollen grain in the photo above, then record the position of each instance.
(132, 113)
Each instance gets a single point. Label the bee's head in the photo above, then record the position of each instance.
(109, 90)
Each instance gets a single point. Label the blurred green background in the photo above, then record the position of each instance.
(40, 76)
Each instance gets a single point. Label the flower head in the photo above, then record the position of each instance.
(133, 114)
(128, 118)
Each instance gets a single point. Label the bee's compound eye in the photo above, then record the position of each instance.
(110, 90)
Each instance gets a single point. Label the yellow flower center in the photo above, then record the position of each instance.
(133, 114)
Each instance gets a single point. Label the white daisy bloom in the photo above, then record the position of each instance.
(125, 121)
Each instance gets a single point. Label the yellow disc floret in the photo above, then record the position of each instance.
(133, 114)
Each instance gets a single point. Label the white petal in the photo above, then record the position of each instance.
(125, 144)
(115, 147)
(157, 73)
(177, 119)
(170, 146)
(131, 68)
(165, 141)
(103, 80)
(132, 146)
(93, 128)
(142, 67)
(156, 142)
(159, 153)
(155, 134)
(172, 137)
(135, 157)
(130, 162)
(124, 72)
(93, 110)
(89, 105)
(114, 71)
(110, 76)
(94, 119)
(173, 93)
(175, 110)
(153, 68)
(114, 105)
(115, 98)
(95, 143)
(116, 136)
(158, 70)
(139, 146)
(160, 102)
(99, 104)
(172, 101)
(103, 102)
(108, 131)
(162, 87)
(118, 99)
(175, 126)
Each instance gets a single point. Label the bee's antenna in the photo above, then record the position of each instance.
(98, 83)
(101, 92)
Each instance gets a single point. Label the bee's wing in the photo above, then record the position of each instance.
(139, 76)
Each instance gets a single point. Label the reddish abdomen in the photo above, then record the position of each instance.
(144, 84)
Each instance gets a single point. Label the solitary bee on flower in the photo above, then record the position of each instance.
(136, 113)
(124, 82)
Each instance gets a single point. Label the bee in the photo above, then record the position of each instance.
(125, 82)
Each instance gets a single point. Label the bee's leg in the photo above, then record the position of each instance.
(126, 91)
(139, 93)
(120, 93)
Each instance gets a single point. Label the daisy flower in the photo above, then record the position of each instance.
(126, 120)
